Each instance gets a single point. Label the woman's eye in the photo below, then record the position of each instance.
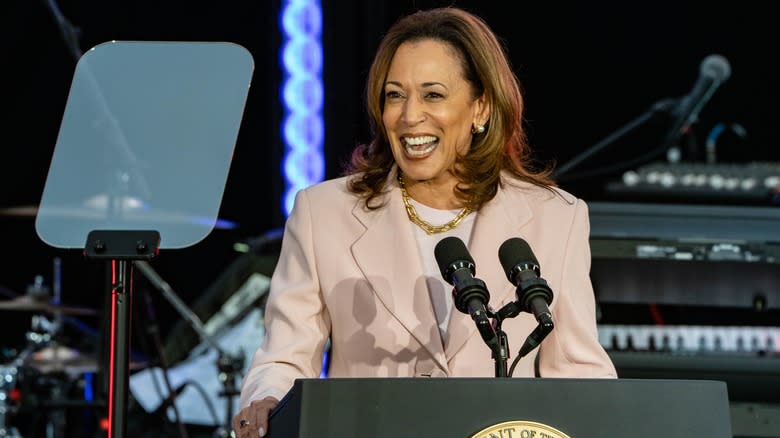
(392, 94)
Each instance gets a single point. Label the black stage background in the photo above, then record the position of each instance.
(588, 68)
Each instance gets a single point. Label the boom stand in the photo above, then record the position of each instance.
(119, 247)
(229, 366)
(660, 107)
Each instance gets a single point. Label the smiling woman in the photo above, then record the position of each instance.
(430, 114)
(448, 160)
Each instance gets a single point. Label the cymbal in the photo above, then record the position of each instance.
(27, 303)
(59, 358)
(21, 211)
(131, 213)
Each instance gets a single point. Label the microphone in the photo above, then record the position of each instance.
(469, 293)
(713, 71)
(533, 293)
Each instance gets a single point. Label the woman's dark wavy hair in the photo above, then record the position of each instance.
(503, 145)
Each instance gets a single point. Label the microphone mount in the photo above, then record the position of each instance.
(532, 292)
(511, 310)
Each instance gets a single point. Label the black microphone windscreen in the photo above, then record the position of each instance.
(515, 251)
(448, 251)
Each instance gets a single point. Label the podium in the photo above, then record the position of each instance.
(501, 408)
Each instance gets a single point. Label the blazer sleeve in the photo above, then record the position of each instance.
(296, 321)
(573, 349)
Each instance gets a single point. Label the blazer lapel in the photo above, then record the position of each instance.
(388, 256)
(494, 224)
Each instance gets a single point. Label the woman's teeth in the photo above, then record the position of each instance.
(419, 146)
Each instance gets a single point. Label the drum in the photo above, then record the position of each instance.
(46, 403)
(10, 397)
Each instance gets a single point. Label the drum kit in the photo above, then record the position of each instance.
(45, 381)
(46, 384)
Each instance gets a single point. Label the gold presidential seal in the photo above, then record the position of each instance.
(520, 429)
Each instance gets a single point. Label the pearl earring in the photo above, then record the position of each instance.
(478, 129)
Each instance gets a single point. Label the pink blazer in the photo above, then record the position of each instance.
(356, 275)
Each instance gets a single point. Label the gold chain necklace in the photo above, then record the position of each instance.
(415, 218)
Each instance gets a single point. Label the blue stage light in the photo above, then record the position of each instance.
(302, 95)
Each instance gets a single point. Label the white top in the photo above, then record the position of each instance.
(440, 291)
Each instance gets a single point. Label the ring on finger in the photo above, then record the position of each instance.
(244, 423)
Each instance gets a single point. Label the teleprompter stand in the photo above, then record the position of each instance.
(120, 248)
(117, 186)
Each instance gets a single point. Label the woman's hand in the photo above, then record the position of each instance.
(252, 421)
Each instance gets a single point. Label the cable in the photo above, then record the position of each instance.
(712, 138)
(658, 319)
(198, 387)
(514, 364)
(153, 329)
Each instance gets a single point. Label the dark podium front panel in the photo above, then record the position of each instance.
(462, 407)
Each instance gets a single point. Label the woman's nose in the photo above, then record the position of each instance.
(413, 111)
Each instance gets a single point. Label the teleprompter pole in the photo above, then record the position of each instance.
(120, 247)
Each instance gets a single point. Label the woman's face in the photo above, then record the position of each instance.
(429, 111)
